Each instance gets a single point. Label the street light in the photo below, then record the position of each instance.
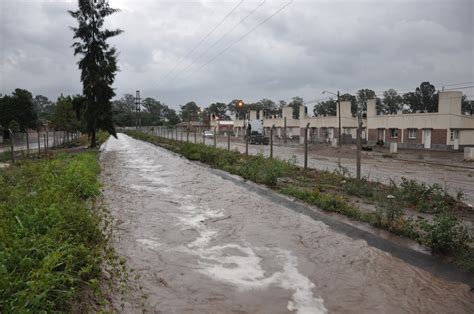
(339, 109)
(240, 104)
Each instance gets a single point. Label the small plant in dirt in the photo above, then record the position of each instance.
(390, 215)
(445, 234)
(361, 188)
(423, 197)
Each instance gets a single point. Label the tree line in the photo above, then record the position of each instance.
(21, 111)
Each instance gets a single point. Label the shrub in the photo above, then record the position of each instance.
(445, 235)
(425, 198)
(360, 188)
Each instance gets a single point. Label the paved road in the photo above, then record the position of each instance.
(204, 244)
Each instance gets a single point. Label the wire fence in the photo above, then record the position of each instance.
(25, 145)
(451, 173)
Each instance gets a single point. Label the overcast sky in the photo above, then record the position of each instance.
(308, 47)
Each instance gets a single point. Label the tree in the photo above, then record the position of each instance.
(425, 98)
(392, 102)
(269, 107)
(218, 109)
(20, 108)
(64, 116)
(326, 108)
(362, 96)
(190, 111)
(467, 106)
(154, 108)
(124, 111)
(171, 116)
(295, 104)
(98, 64)
(42, 105)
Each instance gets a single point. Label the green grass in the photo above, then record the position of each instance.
(51, 238)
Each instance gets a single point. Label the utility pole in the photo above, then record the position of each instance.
(138, 108)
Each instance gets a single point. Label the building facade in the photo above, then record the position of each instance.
(447, 129)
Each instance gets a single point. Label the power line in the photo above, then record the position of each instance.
(222, 37)
(241, 38)
(203, 39)
(464, 87)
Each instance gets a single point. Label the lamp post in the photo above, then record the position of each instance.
(240, 105)
(339, 110)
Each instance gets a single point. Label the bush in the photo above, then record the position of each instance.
(425, 198)
(264, 170)
(445, 235)
(360, 188)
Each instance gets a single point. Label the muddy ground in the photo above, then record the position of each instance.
(204, 244)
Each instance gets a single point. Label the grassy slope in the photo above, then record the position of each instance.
(51, 241)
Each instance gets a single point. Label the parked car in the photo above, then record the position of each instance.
(258, 138)
(209, 134)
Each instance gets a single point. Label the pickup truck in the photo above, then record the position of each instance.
(257, 138)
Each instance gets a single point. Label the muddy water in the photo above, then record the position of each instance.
(202, 244)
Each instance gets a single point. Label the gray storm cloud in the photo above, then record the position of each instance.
(308, 47)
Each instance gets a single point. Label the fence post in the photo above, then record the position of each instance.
(45, 146)
(27, 145)
(359, 145)
(39, 144)
(271, 141)
(12, 145)
(215, 137)
(228, 140)
(306, 147)
(246, 141)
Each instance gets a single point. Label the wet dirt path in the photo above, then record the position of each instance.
(202, 244)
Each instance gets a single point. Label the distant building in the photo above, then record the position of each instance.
(446, 129)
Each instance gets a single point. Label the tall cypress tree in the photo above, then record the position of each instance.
(98, 64)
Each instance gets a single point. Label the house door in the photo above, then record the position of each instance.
(380, 134)
(427, 138)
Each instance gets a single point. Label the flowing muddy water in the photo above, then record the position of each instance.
(203, 244)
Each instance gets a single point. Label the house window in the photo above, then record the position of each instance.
(454, 135)
(394, 132)
(412, 134)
